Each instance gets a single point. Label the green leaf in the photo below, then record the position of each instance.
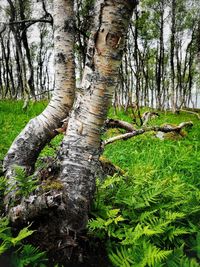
(25, 232)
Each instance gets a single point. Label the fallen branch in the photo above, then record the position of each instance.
(111, 123)
(166, 129)
(191, 112)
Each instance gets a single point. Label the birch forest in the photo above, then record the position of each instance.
(99, 133)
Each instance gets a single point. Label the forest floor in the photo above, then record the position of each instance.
(149, 216)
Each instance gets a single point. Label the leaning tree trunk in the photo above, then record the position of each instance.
(82, 144)
(40, 130)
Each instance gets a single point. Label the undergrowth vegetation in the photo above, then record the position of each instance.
(150, 215)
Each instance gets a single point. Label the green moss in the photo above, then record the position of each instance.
(109, 168)
(52, 185)
(172, 136)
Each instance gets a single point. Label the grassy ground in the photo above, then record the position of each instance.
(13, 119)
(164, 157)
(149, 217)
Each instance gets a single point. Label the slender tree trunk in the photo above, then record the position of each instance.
(172, 43)
(26, 47)
(40, 130)
(82, 145)
(136, 57)
(159, 72)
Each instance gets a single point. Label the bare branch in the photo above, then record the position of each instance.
(166, 129)
(26, 21)
(111, 123)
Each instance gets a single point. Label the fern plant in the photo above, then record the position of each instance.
(24, 254)
(148, 222)
(28, 255)
(25, 185)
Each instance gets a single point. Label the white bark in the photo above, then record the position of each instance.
(81, 146)
(40, 130)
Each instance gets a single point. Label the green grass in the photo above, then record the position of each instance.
(150, 216)
(164, 157)
(13, 119)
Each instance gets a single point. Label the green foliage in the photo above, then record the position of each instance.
(24, 185)
(149, 217)
(158, 201)
(3, 184)
(25, 254)
(146, 221)
(28, 256)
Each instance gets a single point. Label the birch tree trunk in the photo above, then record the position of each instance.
(82, 145)
(40, 130)
(172, 49)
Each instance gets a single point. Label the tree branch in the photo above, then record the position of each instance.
(166, 129)
(28, 21)
(111, 123)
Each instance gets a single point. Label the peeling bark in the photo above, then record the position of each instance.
(82, 145)
(40, 130)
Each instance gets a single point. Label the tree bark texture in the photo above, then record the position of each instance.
(82, 145)
(40, 130)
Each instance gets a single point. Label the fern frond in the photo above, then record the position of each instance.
(176, 231)
(154, 255)
(97, 223)
(25, 185)
(25, 232)
(149, 232)
(4, 247)
(146, 215)
(122, 257)
(172, 215)
(110, 181)
(29, 255)
(186, 262)
(152, 195)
